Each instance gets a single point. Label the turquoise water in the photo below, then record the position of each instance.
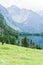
(35, 39)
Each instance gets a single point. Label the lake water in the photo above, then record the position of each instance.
(35, 39)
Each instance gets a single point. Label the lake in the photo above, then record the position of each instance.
(35, 39)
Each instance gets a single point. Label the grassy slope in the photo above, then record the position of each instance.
(14, 55)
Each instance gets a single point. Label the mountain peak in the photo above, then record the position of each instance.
(13, 7)
(19, 15)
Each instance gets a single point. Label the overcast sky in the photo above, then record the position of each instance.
(35, 5)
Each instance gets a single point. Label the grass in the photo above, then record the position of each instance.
(15, 55)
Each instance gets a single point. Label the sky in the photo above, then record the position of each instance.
(35, 5)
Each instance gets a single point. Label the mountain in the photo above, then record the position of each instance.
(19, 15)
(29, 20)
(40, 12)
(22, 20)
(10, 22)
(4, 28)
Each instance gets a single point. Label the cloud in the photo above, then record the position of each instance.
(29, 4)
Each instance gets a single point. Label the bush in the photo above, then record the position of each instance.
(38, 47)
(12, 40)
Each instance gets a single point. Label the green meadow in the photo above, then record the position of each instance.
(16, 55)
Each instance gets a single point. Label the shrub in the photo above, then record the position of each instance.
(38, 47)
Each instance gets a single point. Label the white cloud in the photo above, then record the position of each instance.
(29, 4)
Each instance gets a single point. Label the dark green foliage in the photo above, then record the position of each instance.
(38, 47)
(30, 34)
(31, 44)
(7, 39)
(7, 34)
(5, 28)
(24, 42)
(18, 43)
(12, 40)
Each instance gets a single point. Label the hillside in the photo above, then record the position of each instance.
(9, 19)
(14, 55)
(5, 28)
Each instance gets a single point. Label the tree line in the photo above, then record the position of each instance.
(26, 42)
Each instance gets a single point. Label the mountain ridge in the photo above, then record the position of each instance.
(23, 20)
(28, 23)
(5, 29)
(8, 18)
